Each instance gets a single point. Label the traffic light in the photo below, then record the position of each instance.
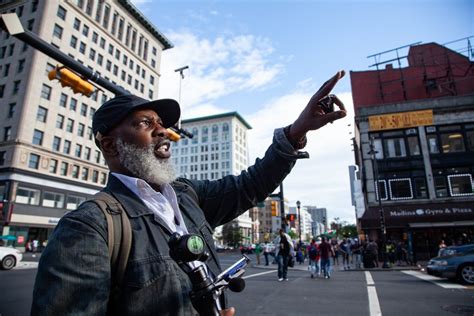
(274, 207)
(72, 80)
(291, 217)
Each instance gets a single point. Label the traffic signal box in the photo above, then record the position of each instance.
(291, 217)
(72, 80)
(274, 205)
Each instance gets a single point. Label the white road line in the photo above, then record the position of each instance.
(438, 281)
(258, 274)
(369, 279)
(374, 305)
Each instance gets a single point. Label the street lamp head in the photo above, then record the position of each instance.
(298, 204)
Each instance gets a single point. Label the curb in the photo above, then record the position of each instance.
(305, 268)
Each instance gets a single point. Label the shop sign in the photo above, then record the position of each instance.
(400, 120)
(431, 212)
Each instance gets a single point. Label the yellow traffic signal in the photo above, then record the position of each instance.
(70, 79)
(274, 207)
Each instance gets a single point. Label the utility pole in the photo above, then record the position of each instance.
(383, 230)
(298, 206)
(181, 77)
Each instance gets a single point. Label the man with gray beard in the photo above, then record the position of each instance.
(75, 275)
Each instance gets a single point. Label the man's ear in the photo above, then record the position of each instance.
(108, 146)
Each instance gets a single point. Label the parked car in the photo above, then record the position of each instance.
(9, 257)
(454, 262)
(247, 249)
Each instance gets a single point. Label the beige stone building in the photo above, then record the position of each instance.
(48, 160)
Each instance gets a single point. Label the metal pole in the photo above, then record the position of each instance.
(381, 211)
(298, 206)
(282, 208)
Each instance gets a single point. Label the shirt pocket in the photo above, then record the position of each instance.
(144, 272)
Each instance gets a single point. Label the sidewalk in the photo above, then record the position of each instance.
(304, 267)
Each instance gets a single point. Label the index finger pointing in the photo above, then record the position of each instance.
(329, 85)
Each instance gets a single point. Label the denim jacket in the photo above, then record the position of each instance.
(74, 275)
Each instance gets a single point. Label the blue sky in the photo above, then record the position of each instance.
(264, 59)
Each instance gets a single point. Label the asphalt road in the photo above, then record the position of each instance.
(346, 293)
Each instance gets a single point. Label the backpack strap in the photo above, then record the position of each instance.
(119, 235)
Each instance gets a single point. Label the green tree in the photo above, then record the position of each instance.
(348, 230)
(231, 234)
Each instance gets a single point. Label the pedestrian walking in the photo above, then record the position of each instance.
(284, 249)
(335, 252)
(258, 251)
(314, 257)
(357, 254)
(266, 252)
(326, 251)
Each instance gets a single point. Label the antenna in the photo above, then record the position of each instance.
(181, 73)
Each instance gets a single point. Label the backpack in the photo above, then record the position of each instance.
(313, 251)
(119, 235)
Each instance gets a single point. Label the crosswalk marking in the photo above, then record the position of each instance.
(438, 281)
(374, 305)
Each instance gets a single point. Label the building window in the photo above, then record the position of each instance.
(64, 168)
(67, 147)
(400, 189)
(92, 54)
(97, 156)
(95, 37)
(89, 5)
(2, 90)
(74, 201)
(78, 152)
(42, 114)
(80, 129)
(26, 195)
(58, 31)
(452, 142)
(100, 59)
(85, 30)
(77, 24)
(75, 171)
(56, 143)
(11, 110)
(103, 178)
(21, 65)
(73, 104)
(61, 13)
(95, 176)
(87, 153)
(85, 174)
(73, 42)
(52, 199)
(38, 137)
(102, 43)
(105, 22)
(98, 11)
(16, 87)
(63, 100)
(33, 163)
(84, 109)
(46, 92)
(2, 159)
(461, 184)
(53, 165)
(82, 48)
(70, 125)
(7, 133)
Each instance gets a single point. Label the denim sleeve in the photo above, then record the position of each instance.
(73, 275)
(224, 199)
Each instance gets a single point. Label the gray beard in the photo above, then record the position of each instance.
(143, 164)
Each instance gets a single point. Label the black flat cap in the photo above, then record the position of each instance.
(112, 112)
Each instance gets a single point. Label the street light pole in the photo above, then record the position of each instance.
(298, 206)
(372, 153)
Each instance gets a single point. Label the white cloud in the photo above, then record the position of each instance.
(223, 66)
(322, 180)
(217, 67)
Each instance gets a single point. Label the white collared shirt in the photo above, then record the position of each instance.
(163, 204)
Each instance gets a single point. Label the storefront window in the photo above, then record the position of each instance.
(382, 188)
(74, 201)
(420, 189)
(452, 142)
(413, 145)
(394, 148)
(27, 196)
(460, 184)
(470, 140)
(400, 189)
(433, 144)
(51, 199)
(440, 186)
